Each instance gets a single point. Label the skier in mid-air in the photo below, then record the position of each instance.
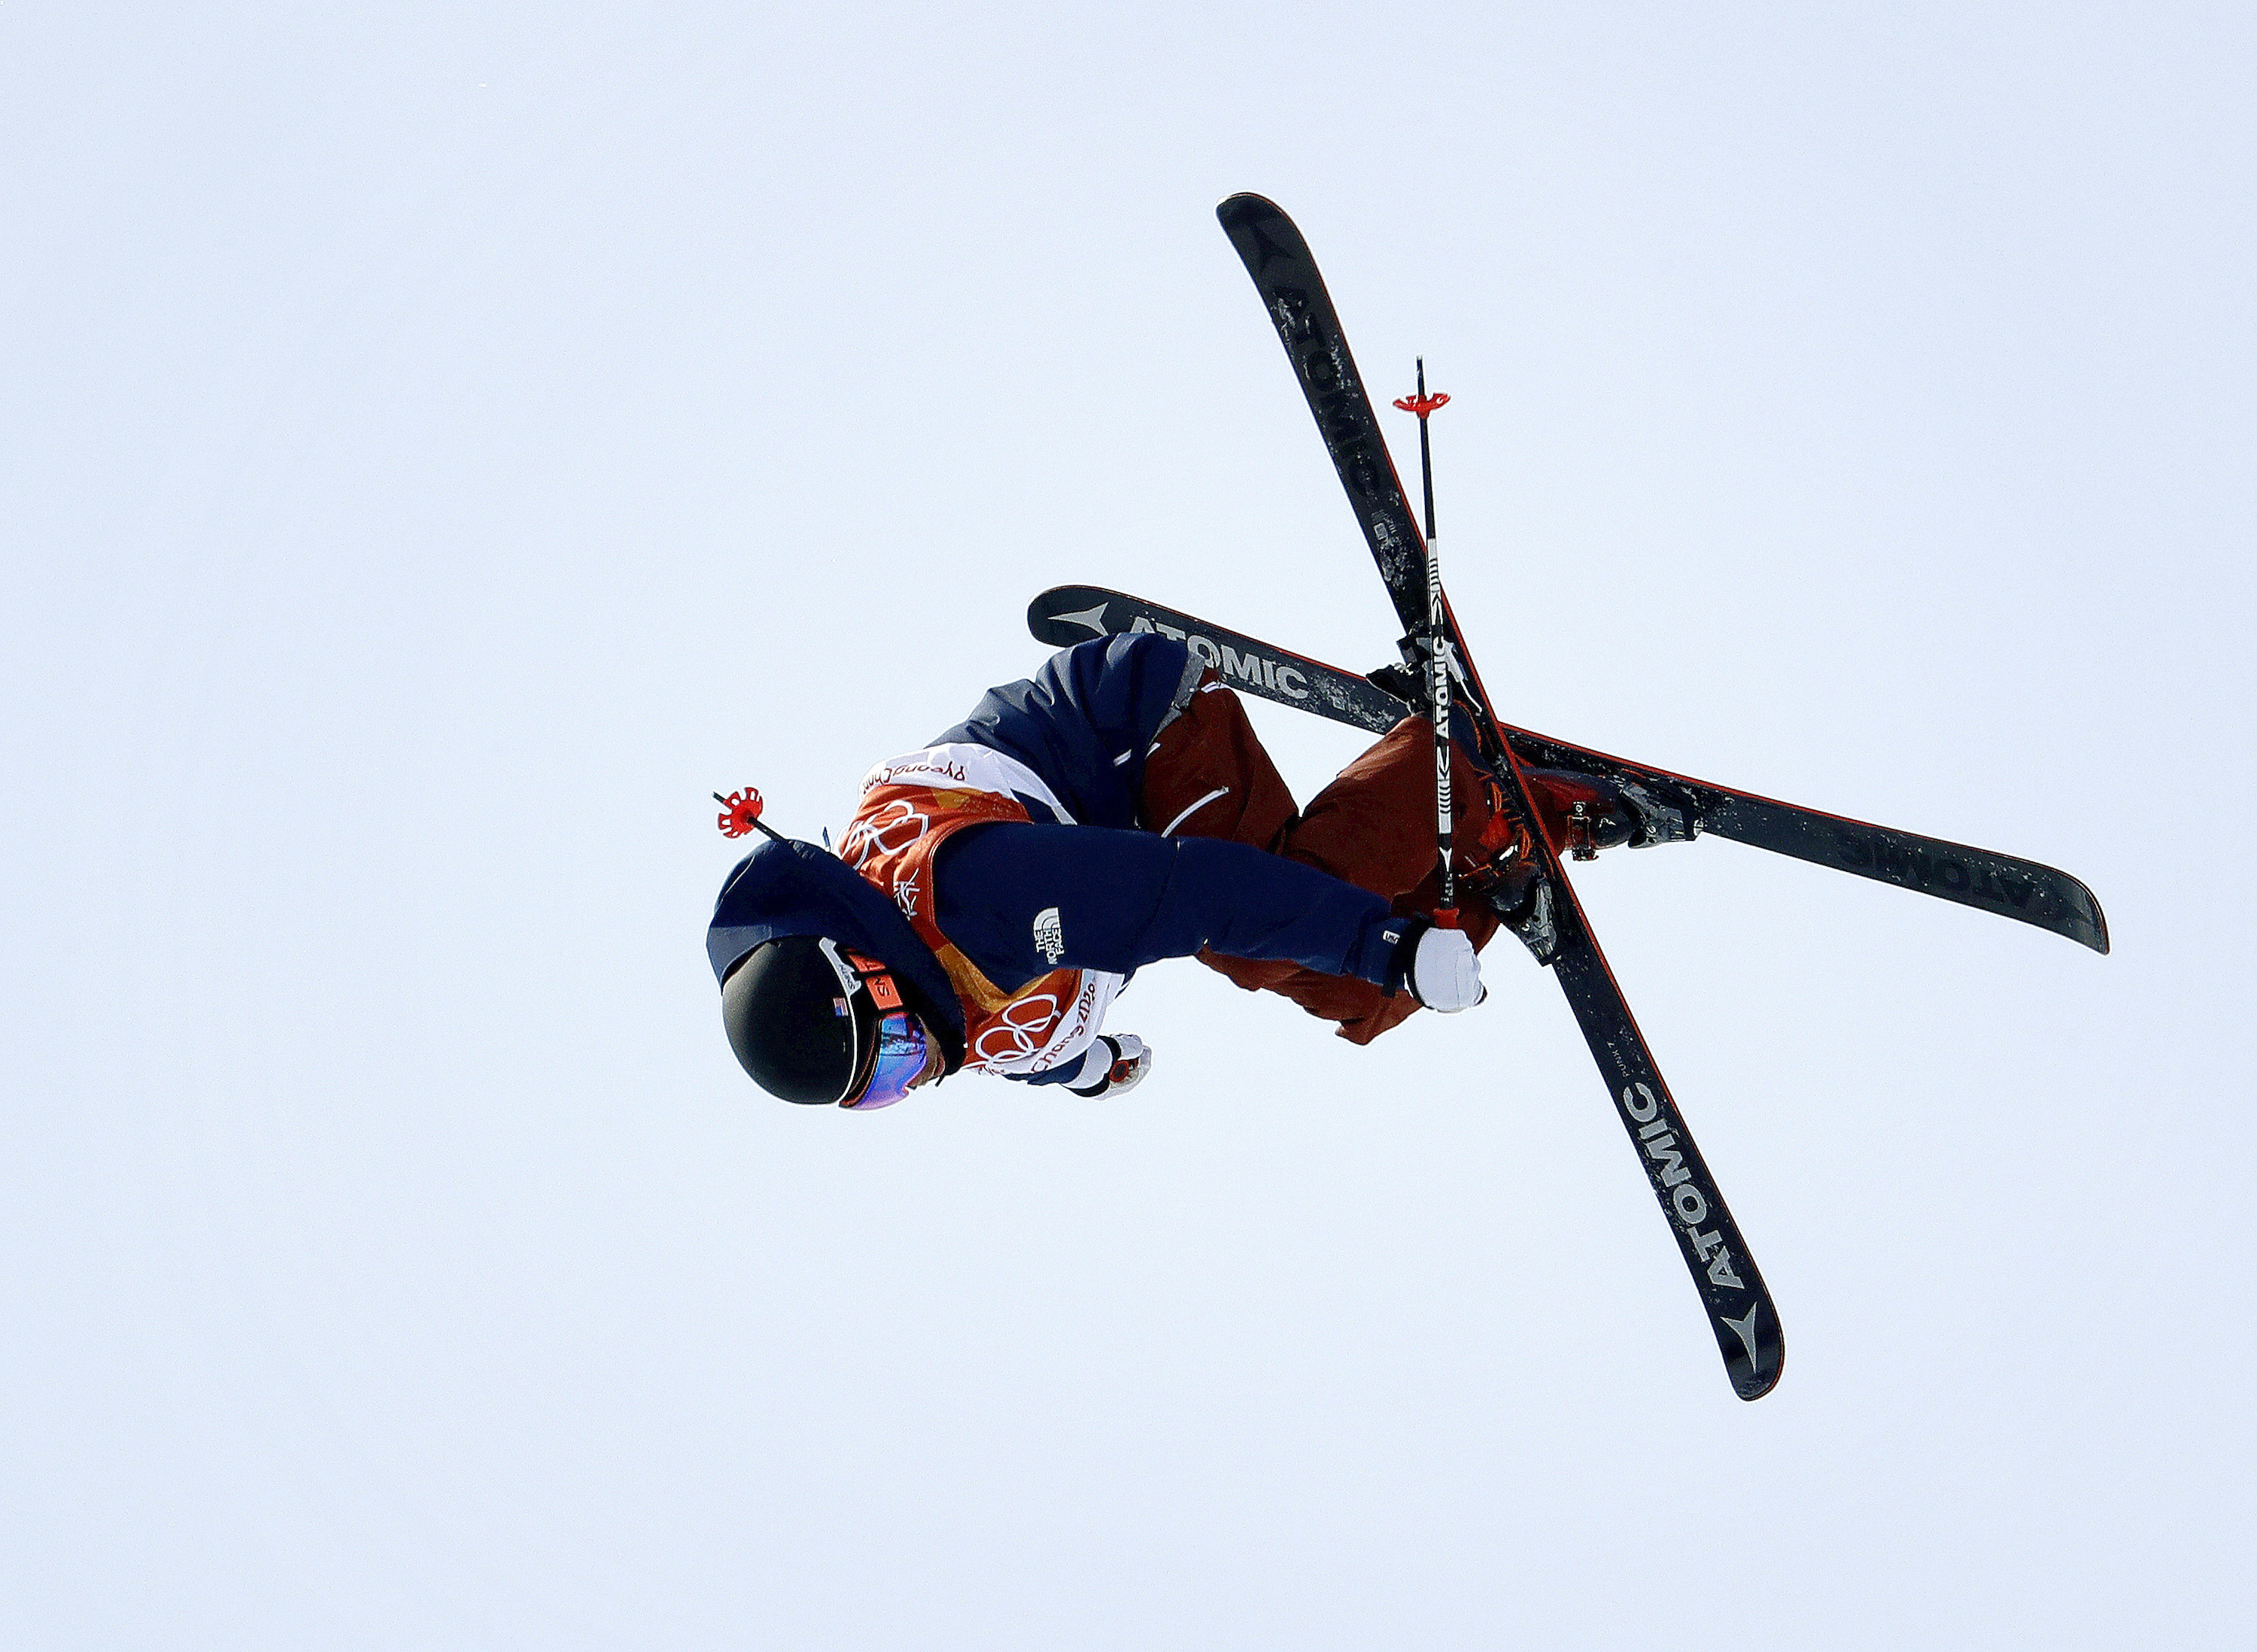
(994, 892)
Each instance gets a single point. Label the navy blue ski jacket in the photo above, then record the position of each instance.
(1125, 897)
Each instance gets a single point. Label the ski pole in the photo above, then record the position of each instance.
(741, 814)
(1425, 406)
(1438, 660)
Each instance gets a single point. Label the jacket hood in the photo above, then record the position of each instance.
(797, 888)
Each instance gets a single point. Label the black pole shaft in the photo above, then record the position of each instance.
(1437, 679)
(1425, 453)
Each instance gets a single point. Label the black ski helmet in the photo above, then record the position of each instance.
(791, 1020)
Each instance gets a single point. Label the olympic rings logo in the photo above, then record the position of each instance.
(883, 833)
(1018, 1035)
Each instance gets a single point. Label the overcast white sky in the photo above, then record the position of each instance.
(443, 443)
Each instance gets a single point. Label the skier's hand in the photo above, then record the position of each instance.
(1444, 973)
(1113, 1066)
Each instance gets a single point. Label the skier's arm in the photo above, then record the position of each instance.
(1126, 899)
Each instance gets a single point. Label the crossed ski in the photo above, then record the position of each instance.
(1740, 1313)
(2023, 890)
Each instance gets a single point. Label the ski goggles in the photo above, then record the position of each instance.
(892, 1046)
(896, 1063)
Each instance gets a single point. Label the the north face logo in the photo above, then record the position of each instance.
(1050, 936)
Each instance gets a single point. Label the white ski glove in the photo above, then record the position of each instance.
(1113, 1066)
(1444, 972)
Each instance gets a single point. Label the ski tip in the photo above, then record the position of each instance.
(2072, 910)
(1245, 204)
(1752, 1382)
(2094, 932)
(1064, 615)
(1754, 1347)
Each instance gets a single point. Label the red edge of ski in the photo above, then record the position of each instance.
(1741, 1315)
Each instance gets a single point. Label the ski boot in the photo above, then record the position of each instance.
(1586, 813)
(1407, 683)
(1582, 813)
(1506, 876)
